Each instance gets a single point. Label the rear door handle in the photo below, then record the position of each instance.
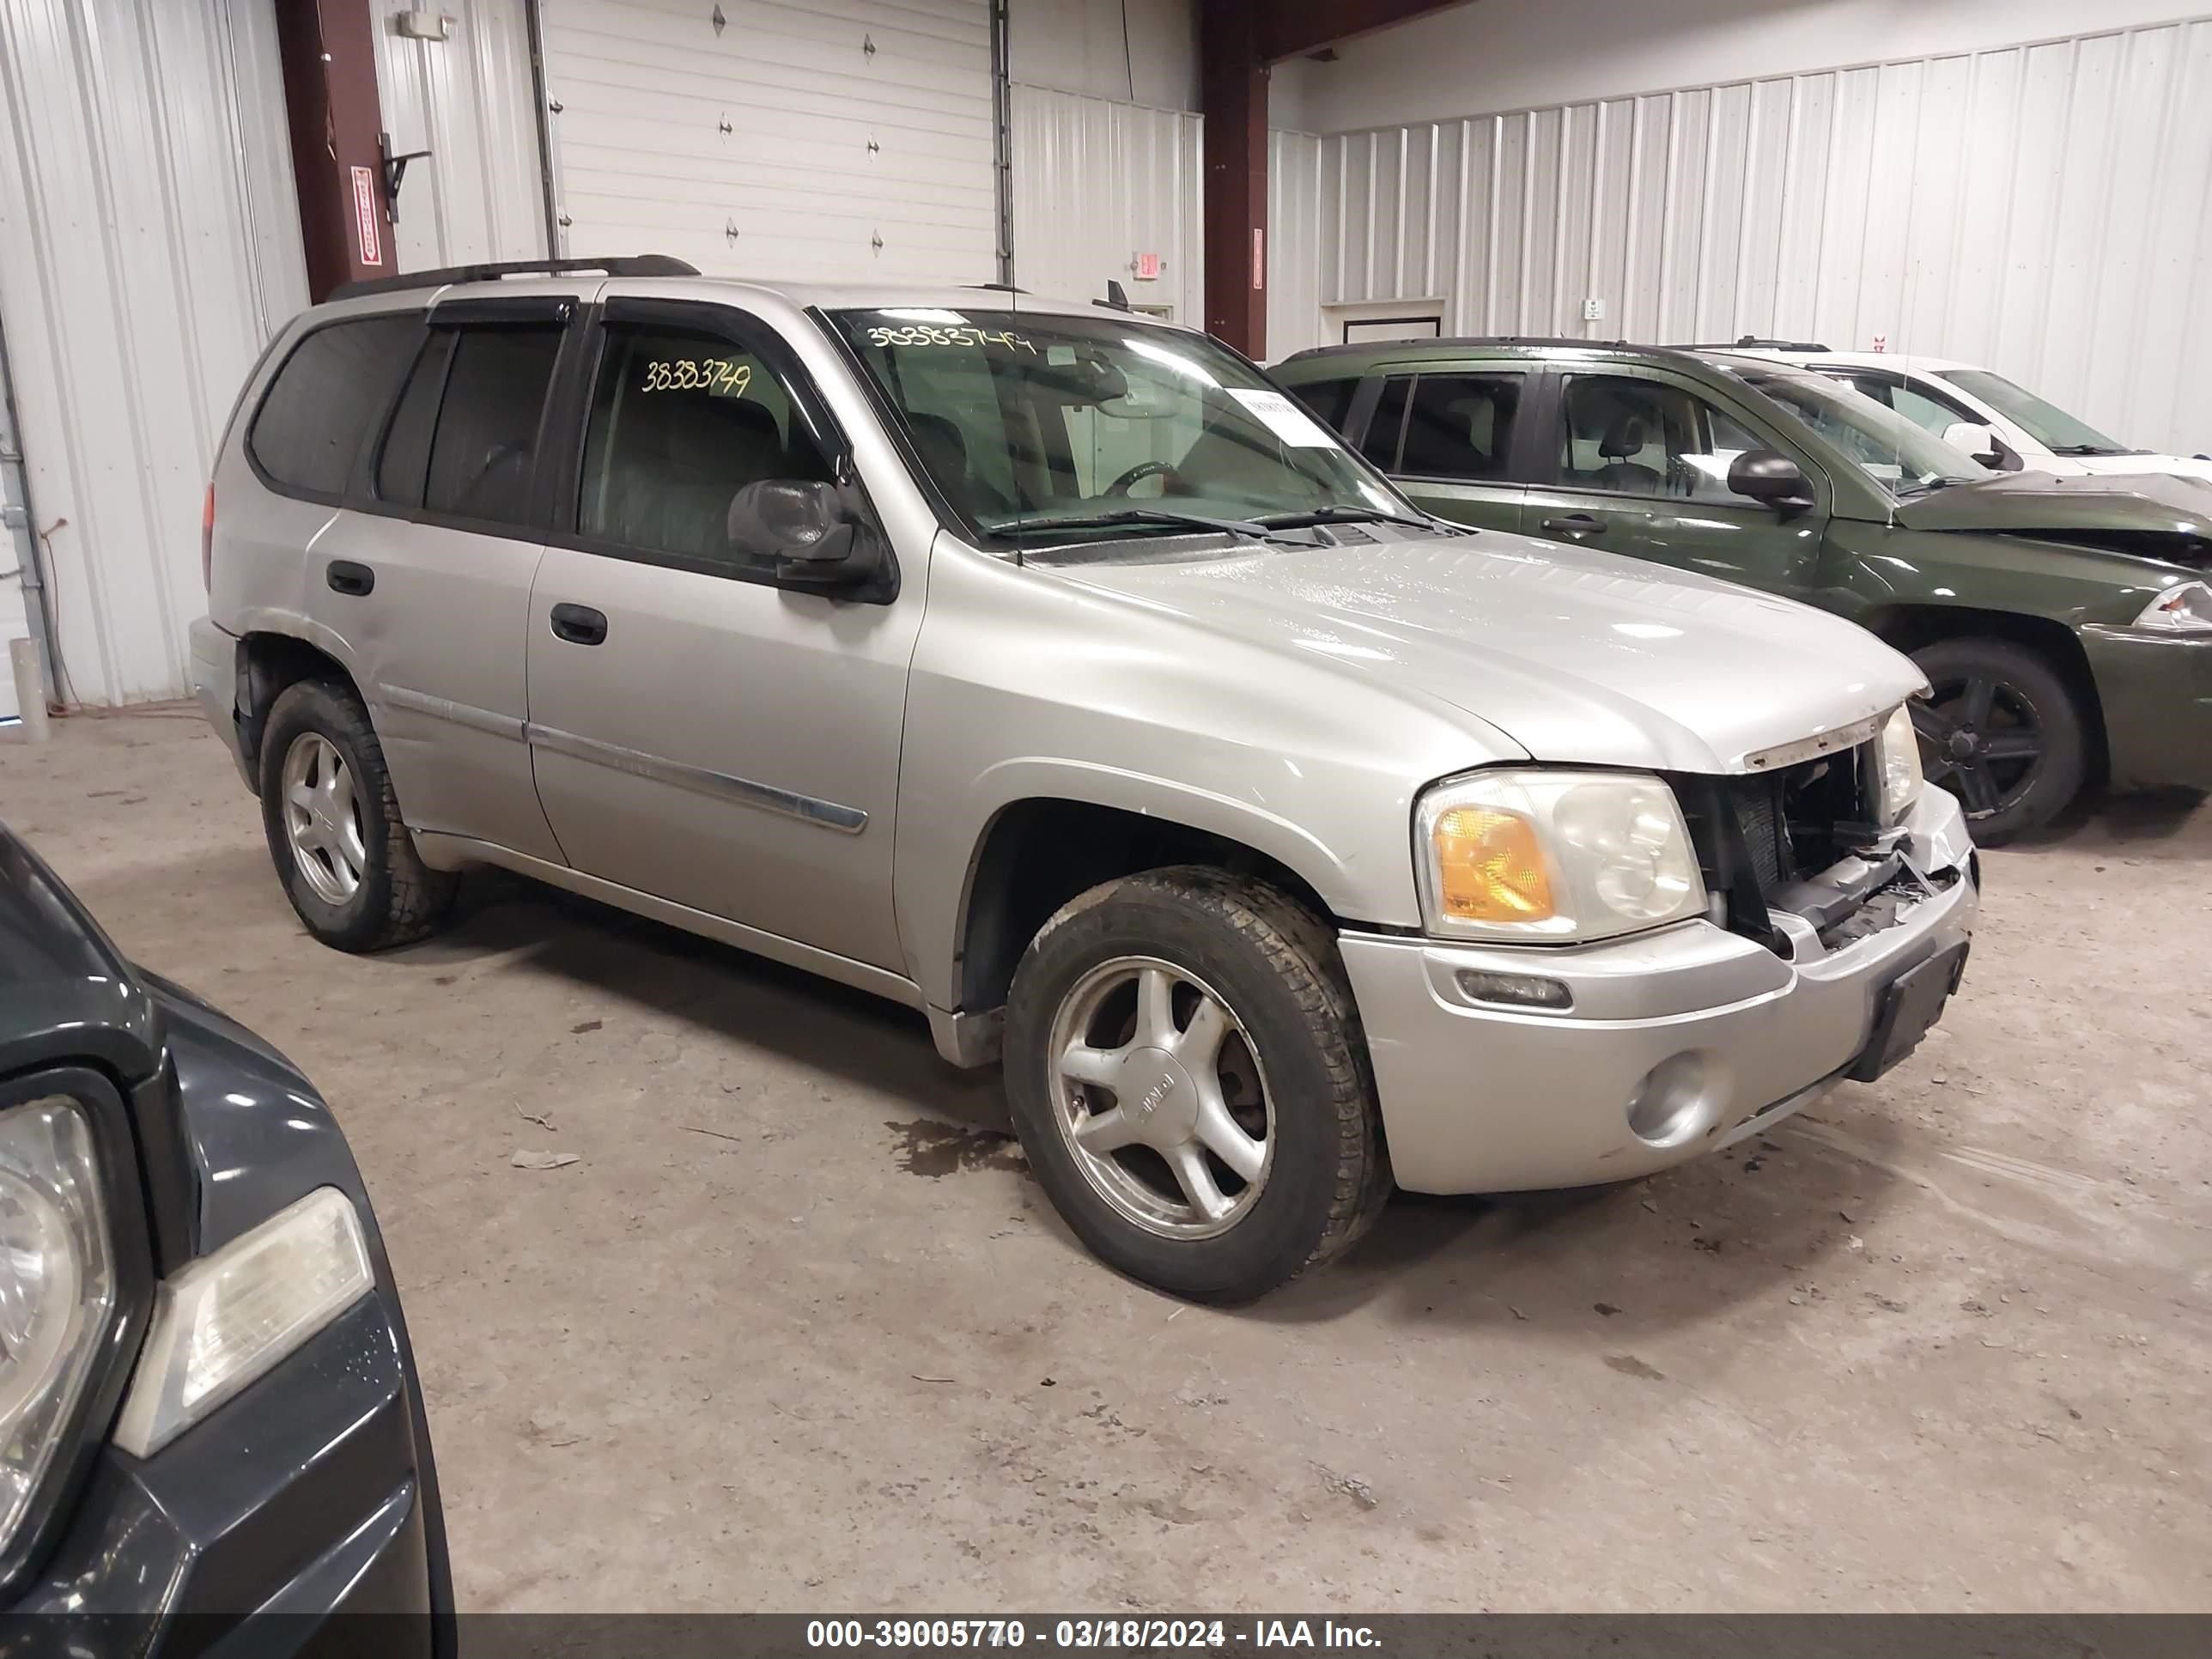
(580, 624)
(345, 576)
(1573, 524)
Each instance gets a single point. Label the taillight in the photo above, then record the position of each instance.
(207, 542)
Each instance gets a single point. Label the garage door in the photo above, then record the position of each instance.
(846, 139)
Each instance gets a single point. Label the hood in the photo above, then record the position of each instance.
(1575, 655)
(2180, 466)
(2024, 503)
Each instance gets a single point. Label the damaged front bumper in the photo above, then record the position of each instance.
(1675, 1042)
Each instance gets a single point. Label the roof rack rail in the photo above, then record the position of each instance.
(632, 265)
(1757, 343)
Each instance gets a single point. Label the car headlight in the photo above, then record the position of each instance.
(1897, 758)
(58, 1288)
(1553, 856)
(233, 1314)
(2183, 608)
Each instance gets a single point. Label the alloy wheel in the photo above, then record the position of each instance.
(1983, 738)
(1157, 1091)
(322, 818)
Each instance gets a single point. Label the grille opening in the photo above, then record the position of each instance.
(1756, 835)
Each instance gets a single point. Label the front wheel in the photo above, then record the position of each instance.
(1187, 1074)
(2003, 732)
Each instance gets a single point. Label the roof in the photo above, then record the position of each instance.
(871, 295)
(1901, 360)
(1381, 353)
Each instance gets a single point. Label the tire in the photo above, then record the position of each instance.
(1290, 1059)
(2028, 704)
(394, 898)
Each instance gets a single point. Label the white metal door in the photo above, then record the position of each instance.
(467, 99)
(847, 140)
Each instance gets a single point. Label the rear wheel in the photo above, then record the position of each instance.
(2003, 732)
(1186, 1071)
(333, 824)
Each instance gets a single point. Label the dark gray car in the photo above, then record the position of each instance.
(210, 1406)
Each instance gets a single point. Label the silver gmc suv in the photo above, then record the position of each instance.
(1044, 668)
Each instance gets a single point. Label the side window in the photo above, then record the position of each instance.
(327, 399)
(405, 463)
(1388, 424)
(680, 423)
(1930, 412)
(1329, 400)
(1460, 426)
(486, 442)
(1633, 437)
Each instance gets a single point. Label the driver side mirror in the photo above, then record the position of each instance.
(1771, 477)
(1977, 441)
(817, 542)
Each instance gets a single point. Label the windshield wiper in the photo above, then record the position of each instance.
(1343, 516)
(1132, 516)
(2090, 449)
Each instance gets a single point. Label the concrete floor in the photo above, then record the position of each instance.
(797, 1332)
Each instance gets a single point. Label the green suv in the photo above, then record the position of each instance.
(2064, 625)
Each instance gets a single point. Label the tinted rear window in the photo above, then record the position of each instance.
(327, 398)
(486, 444)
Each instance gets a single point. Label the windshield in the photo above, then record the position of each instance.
(2050, 426)
(1904, 458)
(1036, 425)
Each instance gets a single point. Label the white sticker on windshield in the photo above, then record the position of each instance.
(1287, 420)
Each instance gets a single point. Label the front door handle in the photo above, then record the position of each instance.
(1573, 524)
(346, 577)
(580, 624)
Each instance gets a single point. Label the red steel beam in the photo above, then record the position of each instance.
(1289, 28)
(327, 53)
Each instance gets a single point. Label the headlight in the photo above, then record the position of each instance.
(228, 1317)
(56, 1288)
(2183, 608)
(1553, 856)
(1897, 756)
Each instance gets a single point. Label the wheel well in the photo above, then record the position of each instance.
(274, 663)
(1909, 628)
(1038, 854)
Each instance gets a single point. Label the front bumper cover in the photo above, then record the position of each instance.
(1480, 1098)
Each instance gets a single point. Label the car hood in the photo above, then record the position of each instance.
(1577, 655)
(2024, 503)
(2180, 466)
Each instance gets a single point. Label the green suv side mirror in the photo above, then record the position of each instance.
(1769, 477)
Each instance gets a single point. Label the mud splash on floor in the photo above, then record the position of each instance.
(927, 1147)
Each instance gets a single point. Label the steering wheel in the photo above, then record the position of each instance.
(1136, 474)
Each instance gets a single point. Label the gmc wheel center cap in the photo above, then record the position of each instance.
(1159, 1097)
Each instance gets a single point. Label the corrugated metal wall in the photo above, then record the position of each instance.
(2039, 209)
(149, 243)
(471, 102)
(849, 139)
(1294, 230)
(1097, 183)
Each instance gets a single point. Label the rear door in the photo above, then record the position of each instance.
(1450, 437)
(702, 735)
(427, 576)
(1636, 461)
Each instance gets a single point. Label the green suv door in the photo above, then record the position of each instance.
(1452, 436)
(1636, 461)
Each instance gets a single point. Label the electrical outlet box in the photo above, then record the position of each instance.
(1593, 311)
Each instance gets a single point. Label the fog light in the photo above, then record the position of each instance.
(1673, 1102)
(1515, 990)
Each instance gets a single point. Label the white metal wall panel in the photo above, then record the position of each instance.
(846, 139)
(149, 244)
(1293, 243)
(470, 101)
(2042, 209)
(1097, 182)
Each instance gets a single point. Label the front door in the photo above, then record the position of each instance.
(700, 734)
(1446, 437)
(1638, 463)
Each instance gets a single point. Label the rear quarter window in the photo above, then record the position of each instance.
(325, 402)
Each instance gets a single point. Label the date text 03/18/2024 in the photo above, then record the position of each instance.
(1079, 1634)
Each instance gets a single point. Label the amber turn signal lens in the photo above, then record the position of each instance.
(1492, 867)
